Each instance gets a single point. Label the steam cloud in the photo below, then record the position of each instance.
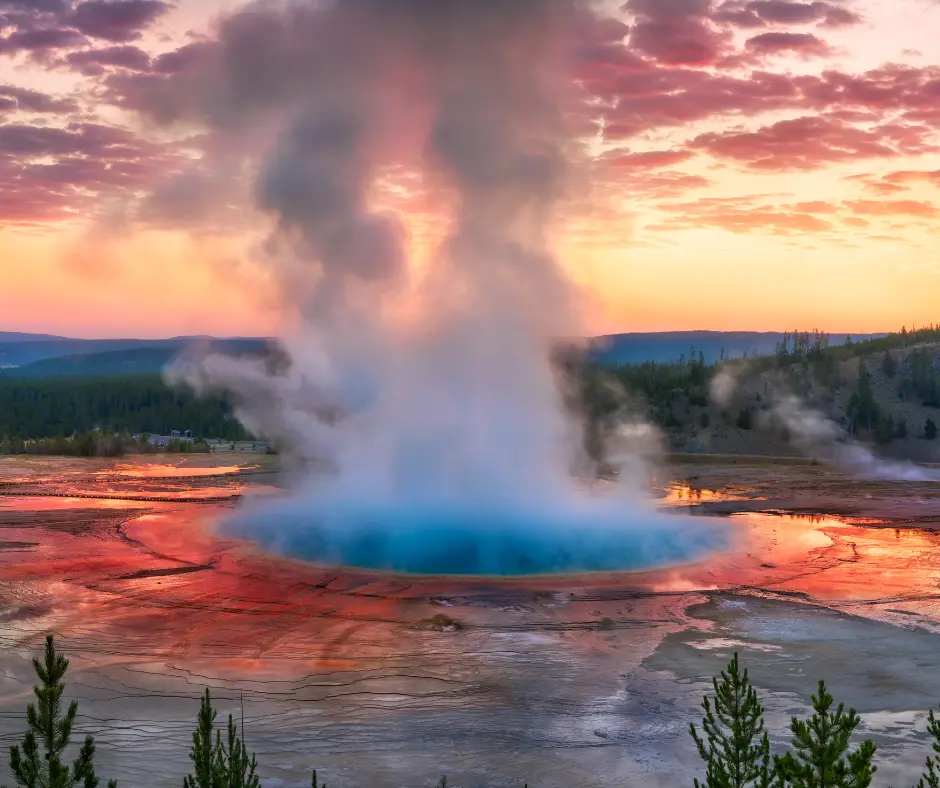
(820, 437)
(441, 442)
(814, 434)
(725, 382)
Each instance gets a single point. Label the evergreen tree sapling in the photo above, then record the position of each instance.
(734, 745)
(863, 410)
(900, 429)
(889, 364)
(930, 429)
(821, 743)
(931, 775)
(218, 763)
(39, 763)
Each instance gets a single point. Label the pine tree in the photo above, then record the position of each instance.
(735, 747)
(203, 753)
(822, 757)
(884, 429)
(931, 775)
(222, 764)
(901, 429)
(39, 763)
(889, 364)
(930, 429)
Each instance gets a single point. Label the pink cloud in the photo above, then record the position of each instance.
(810, 142)
(913, 176)
(743, 215)
(40, 40)
(893, 208)
(94, 62)
(759, 13)
(88, 162)
(116, 20)
(647, 76)
(677, 32)
(647, 159)
(35, 101)
(42, 26)
(805, 44)
(815, 206)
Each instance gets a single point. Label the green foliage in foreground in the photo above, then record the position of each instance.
(736, 749)
(219, 764)
(931, 775)
(732, 742)
(39, 763)
(821, 746)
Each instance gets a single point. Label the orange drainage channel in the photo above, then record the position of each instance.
(114, 497)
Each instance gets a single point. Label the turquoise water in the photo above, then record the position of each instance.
(513, 540)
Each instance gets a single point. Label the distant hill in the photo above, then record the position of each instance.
(18, 336)
(148, 358)
(906, 392)
(137, 361)
(39, 355)
(15, 353)
(668, 346)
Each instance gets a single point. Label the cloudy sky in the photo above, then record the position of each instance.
(754, 164)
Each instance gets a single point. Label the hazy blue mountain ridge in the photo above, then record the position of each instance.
(41, 355)
(670, 345)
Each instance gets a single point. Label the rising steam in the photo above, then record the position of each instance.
(818, 436)
(441, 442)
(822, 438)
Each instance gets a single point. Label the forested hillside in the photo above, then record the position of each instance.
(136, 361)
(35, 355)
(884, 390)
(132, 404)
(669, 346)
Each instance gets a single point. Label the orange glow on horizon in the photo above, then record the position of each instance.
(751, 216)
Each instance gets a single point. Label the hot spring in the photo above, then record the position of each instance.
(447, 538)
(430, 386)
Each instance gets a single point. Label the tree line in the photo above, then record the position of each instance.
(667, 392)
(732, 742)
(101, 443)
(864, 413)
(602, 392)
(130, 405)
(800, 346)
(58, 409)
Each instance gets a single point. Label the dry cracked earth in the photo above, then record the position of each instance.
(385, 680)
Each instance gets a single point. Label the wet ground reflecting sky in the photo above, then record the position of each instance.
(590, 678)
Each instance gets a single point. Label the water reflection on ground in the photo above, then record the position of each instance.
(588, 678)
(683, 494)
(182, 469)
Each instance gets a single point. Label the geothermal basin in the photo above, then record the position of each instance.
(588, 533)
(542, 679)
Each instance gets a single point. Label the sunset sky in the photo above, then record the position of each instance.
(757, 164)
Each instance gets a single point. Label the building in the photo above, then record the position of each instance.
(163, 440)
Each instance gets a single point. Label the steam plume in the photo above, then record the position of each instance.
(725, 382)
(818, 436)
(822, 438)
(446, 436)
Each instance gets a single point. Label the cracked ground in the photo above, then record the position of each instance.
(389, 680)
